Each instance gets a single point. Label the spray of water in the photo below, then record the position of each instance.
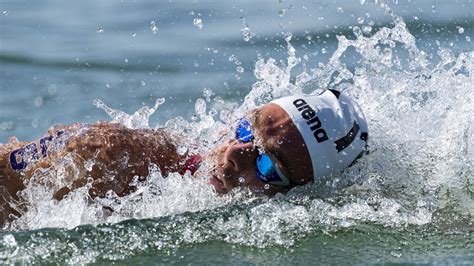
(420, 165)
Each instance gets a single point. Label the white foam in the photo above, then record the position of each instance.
(420, 115)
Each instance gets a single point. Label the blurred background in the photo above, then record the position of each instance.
(57, 56)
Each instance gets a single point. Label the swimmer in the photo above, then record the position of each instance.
(288, 142)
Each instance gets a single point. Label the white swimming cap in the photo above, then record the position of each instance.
(333, 127)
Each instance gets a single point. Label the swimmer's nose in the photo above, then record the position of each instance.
(239, 154)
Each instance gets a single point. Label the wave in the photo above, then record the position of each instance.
(89, 65)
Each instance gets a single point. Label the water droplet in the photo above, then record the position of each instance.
(282, 12)
(6, 125)
(213, 112)
(52, 89)
(360, 20)
(241, 179)
(366, 29)
(357, 31)
(198, 23)
(207, 93)
(340, 10)
(396, 254)
(279, 142)
(461, 30)
(126, 60)
(38, 101)
(181, 150)
(266, 186)
(468, 38)
(89, 164)
(200, 107)
(239, 69)
(34, 123)
(108, 85)
(153, 26)
(288, 36)
(100, 29)
(246, 33)
(324, 50)
(143, 83)
(362, 2)
(134, 34)
(9, 239)
(5, 12)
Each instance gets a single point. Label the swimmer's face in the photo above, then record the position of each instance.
(277, 135)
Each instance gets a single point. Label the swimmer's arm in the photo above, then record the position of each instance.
(119, 156)
(109, 154)
(11, 165)
(10, 182)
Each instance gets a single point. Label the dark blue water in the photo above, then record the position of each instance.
(57, 57)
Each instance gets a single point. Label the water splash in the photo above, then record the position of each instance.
(419, 172)
(154, 26)
(198, 23)
(246, 33)
(273, 80)
(283, 11)
(139, 119)
(399, 95)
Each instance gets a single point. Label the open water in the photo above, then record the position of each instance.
(409, 64)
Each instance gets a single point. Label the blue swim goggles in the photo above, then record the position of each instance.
(266, 169)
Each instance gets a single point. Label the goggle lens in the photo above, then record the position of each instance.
(265, 167)
(243, 132)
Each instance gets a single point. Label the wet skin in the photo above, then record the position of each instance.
(278, 136)
(121, 154)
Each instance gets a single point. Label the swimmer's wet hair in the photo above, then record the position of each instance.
(254, 116)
